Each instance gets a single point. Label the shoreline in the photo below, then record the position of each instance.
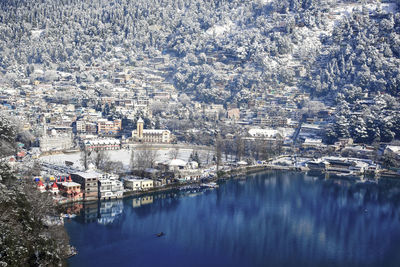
(225, 175)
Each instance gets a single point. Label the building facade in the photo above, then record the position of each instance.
(89, 183)
(102, 144)
(110, 188)
(105, 127)
(139, 184)
(150, 135)
(70, 190)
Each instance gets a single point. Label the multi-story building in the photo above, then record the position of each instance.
(102, 144)
(89, 183)
(83, 126)
(150, 135)
(57, 138)
(110, 188)
(138, 184)
(70, 190)
(105, 127)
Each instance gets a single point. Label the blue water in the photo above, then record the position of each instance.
(268, 219)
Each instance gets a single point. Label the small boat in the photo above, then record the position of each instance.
(210, 185)
(160, 234)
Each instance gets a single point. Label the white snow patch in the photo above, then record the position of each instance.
(265, 1)
(220, 29)
(348, 9)
(36, 33)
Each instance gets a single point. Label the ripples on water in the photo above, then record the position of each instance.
(270, 219)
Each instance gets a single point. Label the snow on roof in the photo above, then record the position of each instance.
(154, 131)
(140, 119)
(69, 184)
(151, 170)
(394, 149)
(138, 179)
(177, 162)
(262, 132)
(88, 174)
(103, 142)
(313, 141)
(311, 126)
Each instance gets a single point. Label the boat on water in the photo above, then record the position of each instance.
(344, 174)
(189, 187)
(209, 185)
(160, 234)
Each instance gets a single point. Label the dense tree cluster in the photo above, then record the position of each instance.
(361, 73)
(25, 235)
(7, 136)
(364, 57)
(377, 121)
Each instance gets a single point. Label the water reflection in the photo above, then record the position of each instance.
(271, 219)
(109, 211)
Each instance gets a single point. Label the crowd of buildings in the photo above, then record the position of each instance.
(113, 105)
(93, 185)
(65, 112)
(90, 186)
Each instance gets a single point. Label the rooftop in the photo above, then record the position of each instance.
(88, 174)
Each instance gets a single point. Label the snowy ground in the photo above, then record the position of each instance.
(124, 156)
(347, 9)
(218, 30)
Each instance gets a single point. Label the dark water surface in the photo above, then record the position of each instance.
(268, 219)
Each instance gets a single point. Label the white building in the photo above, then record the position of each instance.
(176, 165)
(185, 170)
(150, 135)
(56, 140)
(102, 144)
(138, 184)
(281, 133)
(110, 188)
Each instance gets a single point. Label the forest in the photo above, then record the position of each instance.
(26, 238)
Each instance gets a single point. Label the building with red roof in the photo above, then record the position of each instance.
(41, 186)
(54, 189)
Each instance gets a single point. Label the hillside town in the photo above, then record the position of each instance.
(143, 115)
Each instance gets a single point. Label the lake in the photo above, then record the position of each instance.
(267, 219)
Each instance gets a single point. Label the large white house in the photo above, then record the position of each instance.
(102, 144)
(110, 188)
(150, 135)
(57, 138)
(139, 184)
